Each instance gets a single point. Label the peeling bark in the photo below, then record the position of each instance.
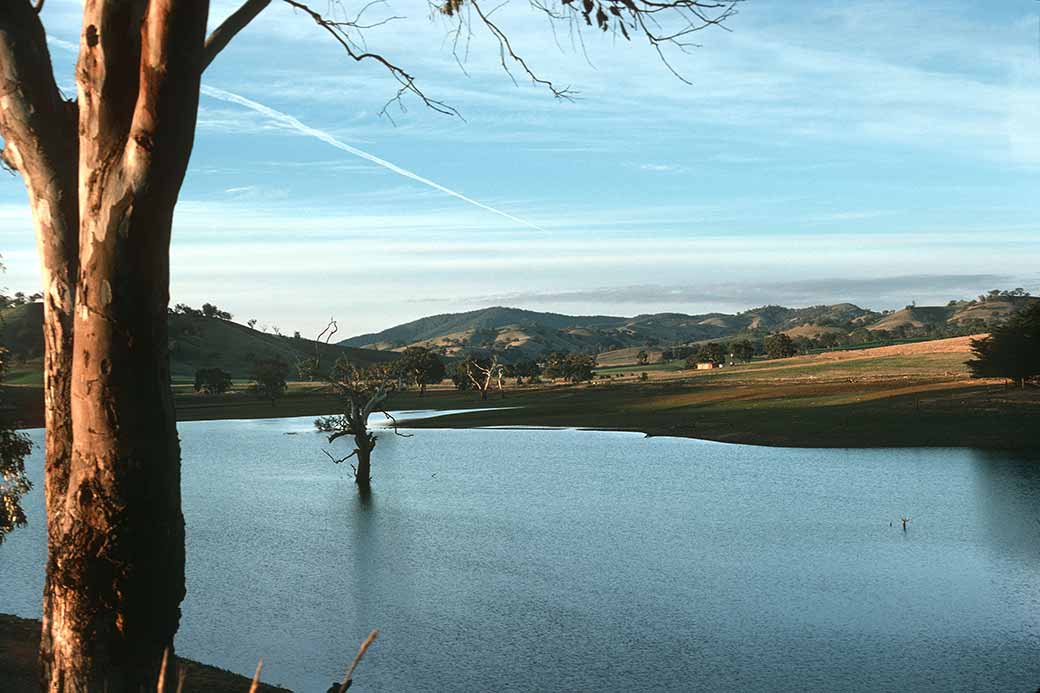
(102, 178)
(39, 130)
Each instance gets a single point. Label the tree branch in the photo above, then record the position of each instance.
(37, 124)
(393, 424)
(170, 72)
(222, 35)
(339, 32)
(506, 50)
(108, 78)
(661, 23)
(339, 434)
(342, 459)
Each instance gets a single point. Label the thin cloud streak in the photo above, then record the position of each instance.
(863, 290)
(300, 127)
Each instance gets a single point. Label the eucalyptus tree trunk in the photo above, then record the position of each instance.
(39, 129)
(102, 176)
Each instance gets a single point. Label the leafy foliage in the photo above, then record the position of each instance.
(1011, 351)
(421, 367)
(208, 311)
(573, 367)
(14, 484)
(460, 377)
(269, 377)
(211, 311)
(742, 350)
(779, 346)
(212, 381)
(713, 352)
(19, 298)
(521, 370)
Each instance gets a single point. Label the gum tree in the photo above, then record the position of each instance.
(362, 392)
(483, 372)
(103, 172)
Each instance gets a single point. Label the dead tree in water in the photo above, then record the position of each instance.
(363, 391)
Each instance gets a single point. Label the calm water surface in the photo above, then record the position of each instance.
(534, 560)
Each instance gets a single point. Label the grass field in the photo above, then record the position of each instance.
(904, 395)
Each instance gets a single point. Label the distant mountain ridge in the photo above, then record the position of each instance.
(520, 333)
(208, 342)
(435, 326)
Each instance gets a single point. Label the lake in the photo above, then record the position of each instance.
(562, 560)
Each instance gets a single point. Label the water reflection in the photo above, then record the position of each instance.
(365, 558)
(567, 560)
(1008, 501)
(364, 495)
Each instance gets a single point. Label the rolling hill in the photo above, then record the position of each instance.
(520, 334)
(202, 342)
(533, 333)
(195, 342)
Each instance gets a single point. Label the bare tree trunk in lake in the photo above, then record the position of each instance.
(363, 476)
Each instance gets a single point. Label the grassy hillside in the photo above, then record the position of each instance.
(903, 395)
(195, 342)
(520, 334)
(529, 334)
(21, 330)
(199, 342)
(907, 395)
(438, 326)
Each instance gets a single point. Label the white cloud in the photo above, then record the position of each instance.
(661, 168)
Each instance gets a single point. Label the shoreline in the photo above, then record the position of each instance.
(915, 395)
(954, 413)
(20, 667)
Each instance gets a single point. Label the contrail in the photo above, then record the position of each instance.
(293, 123)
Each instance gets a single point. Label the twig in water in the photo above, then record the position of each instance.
(348, 677)
(256, 677)
(161, 685)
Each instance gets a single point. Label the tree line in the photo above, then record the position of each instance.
(14, 447)
(774, 346)
(1011, 350)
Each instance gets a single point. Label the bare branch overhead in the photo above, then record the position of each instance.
(37, 124)
(223, 34)
(662, 24)
(340, 30)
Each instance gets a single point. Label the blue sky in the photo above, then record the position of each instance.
(879, 152)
